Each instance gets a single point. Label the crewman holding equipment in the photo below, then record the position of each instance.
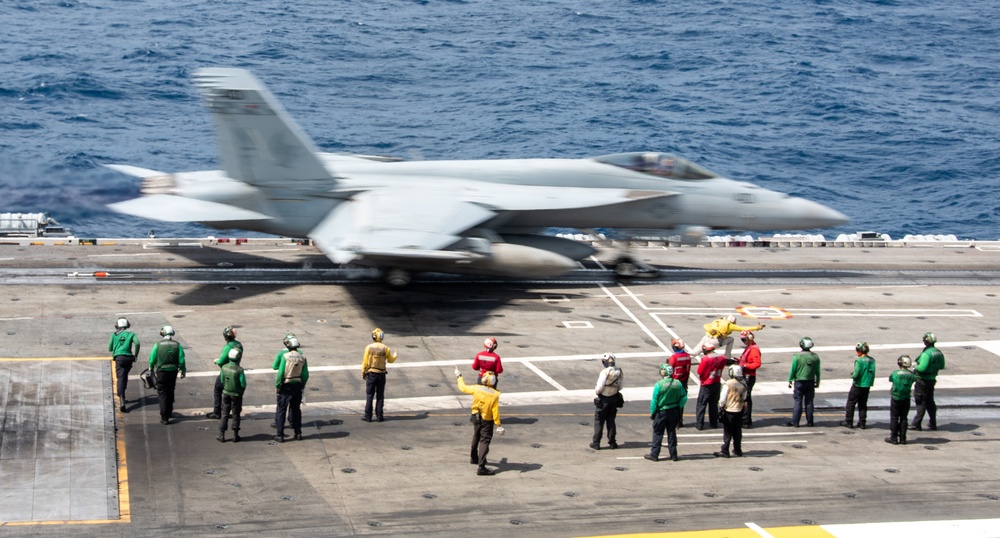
(166, 360)
(124, 348)
(373, 371)
(232, 349)
(485, 415)
(293, 373)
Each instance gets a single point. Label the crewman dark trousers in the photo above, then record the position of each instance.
(166, 384)
(748, 407)
(123, 365)
(482, 435)
(898, 409)
(665, 420)
(231, 405)
(802, 396)
(923, 397)
(290, 403)
(857, 396)
(732, 429)
(605, 413)
(374, 390)
(217, 404)
(708, 397)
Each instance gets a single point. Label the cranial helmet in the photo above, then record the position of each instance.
(735, 372)
(707, 348)
(122, 323)
(904, 361)
(489, 379)
(166, 331)
(929, 339)
(378, 334)
(291, 341)
(731, 318)
(677, 344)
(746, 335)
(490, 344)
(666, 370)
(608, 360)
(229, 333)
(235, 354)
(862, 348)
(806, 343)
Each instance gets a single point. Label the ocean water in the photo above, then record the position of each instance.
(888, 111)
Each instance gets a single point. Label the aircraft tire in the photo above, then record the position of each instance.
(626, 268)
(398, 278)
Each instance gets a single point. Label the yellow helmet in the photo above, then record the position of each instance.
(489, 379)
(378, 334)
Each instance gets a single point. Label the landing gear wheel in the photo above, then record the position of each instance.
(626, 268)
(398, 278)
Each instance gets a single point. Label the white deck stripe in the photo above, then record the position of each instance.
(544, 376)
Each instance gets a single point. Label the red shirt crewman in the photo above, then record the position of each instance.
(487, 360)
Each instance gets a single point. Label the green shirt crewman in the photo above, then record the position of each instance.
(863, 377)
(166, 360)
(232, 351)
(899, 405)
(124, 348)
(234, 384)
(293, 373)
(929, 363)
(669, 398)
(804, 373)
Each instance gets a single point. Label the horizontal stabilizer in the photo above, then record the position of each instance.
(170, 208)
(135, 171)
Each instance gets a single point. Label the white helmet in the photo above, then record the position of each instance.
(735, 372)
(608, 360)
(167, 331)
(806, 343)
(731, 318)
(904, 361)
(291, 341)
(122, 323)
(490, 343)
(489, 379)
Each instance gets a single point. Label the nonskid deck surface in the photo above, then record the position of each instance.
(409, 475)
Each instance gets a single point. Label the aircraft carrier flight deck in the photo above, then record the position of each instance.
(73, 463)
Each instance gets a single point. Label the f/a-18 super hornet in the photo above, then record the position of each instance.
(481, 217)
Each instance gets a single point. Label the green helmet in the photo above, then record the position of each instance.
(666, 370)
(862, 348)
(806, 343)
(929, 339)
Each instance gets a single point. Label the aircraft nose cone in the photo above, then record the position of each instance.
(815, 215)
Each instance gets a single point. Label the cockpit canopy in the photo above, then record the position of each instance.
(658, 164)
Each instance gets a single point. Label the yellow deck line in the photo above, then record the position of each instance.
(743, 532)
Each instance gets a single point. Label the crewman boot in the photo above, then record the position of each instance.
(213, 415)
(236, 436)
(861, 424)
(891, 441)
(483, 471)
(222, 437)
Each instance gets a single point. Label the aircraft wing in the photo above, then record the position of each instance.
(171, 208)
(404, 222)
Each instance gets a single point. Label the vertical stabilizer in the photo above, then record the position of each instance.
(259, 143)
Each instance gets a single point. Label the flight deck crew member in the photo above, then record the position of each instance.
(293, 373)
(749, 363)
(166, 360)
(680, 361)
(732, 398)
(902, 380)
(863, 378)
(719, 331)
(487, 360)
(234, 384)
(232, 351)
(804, 373)
(124, 348)
(669, 397)
(373, 370)
(929, 363)
(608, 390)
(710, 375)
(485, 415)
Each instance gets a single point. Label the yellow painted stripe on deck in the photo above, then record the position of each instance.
(776, 532)
(799, 532)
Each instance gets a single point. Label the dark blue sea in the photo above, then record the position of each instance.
(888, 111)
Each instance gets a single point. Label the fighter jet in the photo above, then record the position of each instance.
(481, 217)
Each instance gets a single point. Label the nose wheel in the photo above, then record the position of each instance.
(627, 267)
(398, 278)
